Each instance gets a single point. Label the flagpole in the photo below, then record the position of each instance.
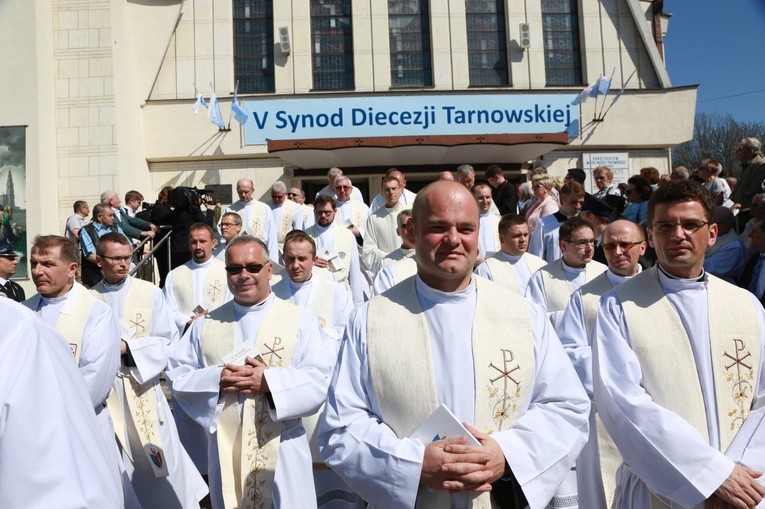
(231, 112)
(629, 78)
(610, 80)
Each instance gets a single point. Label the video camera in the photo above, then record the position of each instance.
(185, 197)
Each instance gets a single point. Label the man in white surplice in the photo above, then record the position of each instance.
(159, 468)
(380, 236)
(256, 216)
(407, 196)
(678, 369)
(399, 264)
(287, 216)
(351, 214)
(511, 266)
(52, 452)
(552, 285)
(336, 248)
(623, 244)
(247, 372)
(488, 241)
(371, 409)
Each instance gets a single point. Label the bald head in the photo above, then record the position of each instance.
(444, 231)
(624, 244)
(446, 175)
(244, 188)
(724, 218)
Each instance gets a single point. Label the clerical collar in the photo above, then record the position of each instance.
(437, 296)
(570, 269)
(700, 279)
(295, 285)
(241, 308)
(616, 279)
(196, 265)
(55, 300)
(510, 258)
(114, 286)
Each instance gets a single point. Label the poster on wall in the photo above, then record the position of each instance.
(13, 206)
(617, 162)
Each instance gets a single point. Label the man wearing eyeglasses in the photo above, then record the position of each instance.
(159, 468)
(679, 369)
(624, 244)
(248, 371)
(230, 227)
(448, 337)
(544, 239)
(286, 214)
(552, 285)
(298, 196)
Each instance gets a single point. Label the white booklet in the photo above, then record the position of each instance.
(240, 353)
(442, 424)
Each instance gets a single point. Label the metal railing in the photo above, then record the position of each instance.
(148, 258)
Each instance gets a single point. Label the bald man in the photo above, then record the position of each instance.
(624, 244)
(726, 259)
(450, 325)
(257, 219)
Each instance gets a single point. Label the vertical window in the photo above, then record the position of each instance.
(254, 45)
(332, 37)
(409, 33)
(486, 39)
(560, 28)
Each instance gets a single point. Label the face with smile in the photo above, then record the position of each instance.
(680, 233)
(444, 231)
(483, 198)
(298, 260)
(248, 288)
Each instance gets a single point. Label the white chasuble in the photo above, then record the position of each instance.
(503, 273)
(138, 315)
(72, 318)
(503, 376)
(661, 343)
(248, 439)
(558, 287)
(331, 241)
(213, 291)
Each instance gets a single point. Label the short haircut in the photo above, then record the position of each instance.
(603, 170)
(681, 190)
(323, 199)
(752, 143)
(299, 236)
(479, 186)
(279, 186)
(682, 171)
(164, 195)
(391, 171)
(569, 227)
(234, 216)
(133, 195)
(642, 186)
(100, 208)
(572, 188)
(343, 178)
(201, 226)
(406, 213)
(246, 239)
(650, 173)
(114, 237)
(524, 191)
(70, 252)
(508, 221)
(77, 206)
(712, 165)
(543, 179)
(334, 172)
(106, 195)
(390, 179)
(492, 171)
(464, 170)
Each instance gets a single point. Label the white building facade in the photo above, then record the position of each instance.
(107, 88)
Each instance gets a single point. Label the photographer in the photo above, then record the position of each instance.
(185, 206)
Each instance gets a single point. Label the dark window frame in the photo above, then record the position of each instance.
(562, 42)
(332, 45)
(486, 26)
(411, 63)
(253, 31)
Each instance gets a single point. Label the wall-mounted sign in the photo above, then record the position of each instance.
(410, 115)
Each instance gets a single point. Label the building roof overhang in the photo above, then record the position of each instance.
(415, 150)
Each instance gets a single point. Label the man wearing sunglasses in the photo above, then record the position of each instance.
(159, 468)
(624, 244)
(287, 215)
(678, 370)
(448, 337)
(248, 371)
(552, 285)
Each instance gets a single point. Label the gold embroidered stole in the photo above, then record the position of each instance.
(214, 286)
(345, 242)
(609, 455)
(255, 222)
(503, 272)
(558, 288)
(289, 209)
(73, 317)
(503, 364)
(248, 440)
(405, 268)
(141, 399)
(661, 343)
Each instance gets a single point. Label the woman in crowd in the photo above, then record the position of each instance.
(638, 193)
(603, 181)
(545, 204)
(709, 172)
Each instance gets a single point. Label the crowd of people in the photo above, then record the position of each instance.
(473, 345)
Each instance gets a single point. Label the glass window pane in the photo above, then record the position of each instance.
(487, 43)
(254, 45)
(560, 30)
(409, 36)
(332, 48)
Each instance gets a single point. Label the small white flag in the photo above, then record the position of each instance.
(240, 114)
(600, 87)
(213, 112)
(199, 102)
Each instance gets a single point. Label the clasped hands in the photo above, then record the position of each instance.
(452, 465)
(247, 379)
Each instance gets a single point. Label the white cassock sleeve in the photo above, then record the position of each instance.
(100, 357)
(384, 279)
(356, 279)
(151, 353)
(52, 450)
(536, 240)
(271, 233)
(484, 271)
(572, 332)
(664, 450)
(179, 318)
(385, 470)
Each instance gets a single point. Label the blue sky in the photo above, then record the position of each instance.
(719, 44)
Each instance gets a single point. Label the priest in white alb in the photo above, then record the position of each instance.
(380, 236)
(448, 337)
(247, 372)
(52, 450)
(286, 214)
(160, 470)
(257, 218)
(623, 244)
(511, 266)
(399, 264)
(488, 241)
(351, 214)
(678, 370)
